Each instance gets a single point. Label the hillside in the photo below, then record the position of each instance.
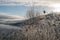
(44, 27)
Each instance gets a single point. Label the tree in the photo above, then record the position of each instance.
(32, 13)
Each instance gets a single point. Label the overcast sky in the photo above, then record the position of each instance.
(27, 2)
(19, 7)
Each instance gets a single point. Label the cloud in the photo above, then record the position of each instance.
(27, 2)
(10, 17)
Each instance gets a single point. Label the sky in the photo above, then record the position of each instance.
(20, 7)
(13, 10)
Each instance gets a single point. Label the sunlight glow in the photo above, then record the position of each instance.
(56, 10)
(56, 7)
